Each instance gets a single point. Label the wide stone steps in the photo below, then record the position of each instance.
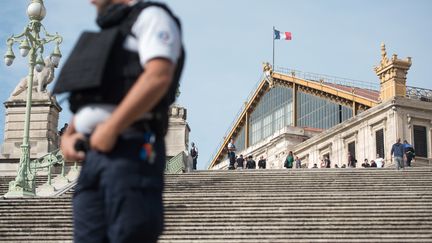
(346, 205)
(4, 182)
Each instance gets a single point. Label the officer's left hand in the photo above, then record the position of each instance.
(103, 138)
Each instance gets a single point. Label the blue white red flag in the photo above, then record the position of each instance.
(278, 35)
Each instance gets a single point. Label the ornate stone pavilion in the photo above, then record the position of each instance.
(316, 115)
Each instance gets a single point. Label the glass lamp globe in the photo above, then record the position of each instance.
(40, 64)
(24, 48)
(56, 56)
(8, 61)
(39, 67)
(55, 60)
(24, 52)
(36, 10)
(9, 57)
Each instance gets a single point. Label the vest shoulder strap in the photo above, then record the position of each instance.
(127, 25)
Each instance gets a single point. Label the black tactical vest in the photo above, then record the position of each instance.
(101, 71)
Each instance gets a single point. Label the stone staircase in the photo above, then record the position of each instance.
(4, 182)
(344, 205)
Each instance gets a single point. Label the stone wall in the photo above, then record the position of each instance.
(395, 117)
(43, 126)
(177, 139)
(275, 148)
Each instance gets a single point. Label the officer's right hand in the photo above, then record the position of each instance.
(68, 141)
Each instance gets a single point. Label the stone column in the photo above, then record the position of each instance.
(43, 125)
(177, 139)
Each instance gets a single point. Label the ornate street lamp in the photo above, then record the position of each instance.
(31, 44)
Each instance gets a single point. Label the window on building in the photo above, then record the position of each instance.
(240, 141)
(352, 149)
(420, 142)
(319, 112)
(256, 132)
(379, 142)
(270, 114)
(279, 119)
(289, 114)
(267, 126)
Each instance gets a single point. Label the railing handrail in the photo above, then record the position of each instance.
(45, 163)
(176, 164)
(329, 79)
(47, 158)
(419, 92)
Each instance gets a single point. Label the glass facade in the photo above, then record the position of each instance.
(320, 113)
(273, 112)
(239, 143)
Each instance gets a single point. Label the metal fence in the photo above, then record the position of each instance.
(328, 79)
(419, 93)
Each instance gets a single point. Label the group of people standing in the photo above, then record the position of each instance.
(403, 154)
(243, 162)
(290, 160)
(352, 162)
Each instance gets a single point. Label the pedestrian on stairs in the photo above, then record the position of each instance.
(366, 164)
(298, 162)
(289, 161)
(327, 162)
(231, 154)
(398, 152)
(194, 155)
(250, 164)
(351, 160)
(122, 80)
(262, 163)
(409, 153)
(240, 162)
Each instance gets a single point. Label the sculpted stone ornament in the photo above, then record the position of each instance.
(268, 71)
(40, 79)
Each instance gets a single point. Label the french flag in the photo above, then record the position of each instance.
(278, 35)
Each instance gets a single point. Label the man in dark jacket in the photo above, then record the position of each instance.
(398, 152)
(409, 153)
(240, 162)
(194, 155)
(262, 163)
(250, 164)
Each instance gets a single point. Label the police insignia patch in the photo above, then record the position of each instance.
(164, 36)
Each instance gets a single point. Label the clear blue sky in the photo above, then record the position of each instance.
(227, 41)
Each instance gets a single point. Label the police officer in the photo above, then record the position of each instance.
(121, 82)
(194, 154)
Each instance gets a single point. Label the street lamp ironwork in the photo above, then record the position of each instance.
(31, 44)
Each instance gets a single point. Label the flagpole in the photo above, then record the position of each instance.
(273, 36)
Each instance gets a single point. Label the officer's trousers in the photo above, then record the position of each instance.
(118, 197)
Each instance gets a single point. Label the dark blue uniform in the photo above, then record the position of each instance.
(119, 195)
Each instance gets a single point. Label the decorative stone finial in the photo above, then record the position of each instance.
(268, 71)
(393, 74)
(267, 67)
(384, 58)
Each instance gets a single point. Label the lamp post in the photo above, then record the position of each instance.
(31, 44)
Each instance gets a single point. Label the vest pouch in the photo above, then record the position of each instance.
(86, 65)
